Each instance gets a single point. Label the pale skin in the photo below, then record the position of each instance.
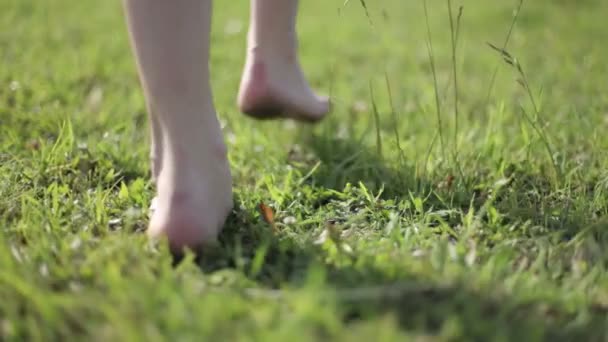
(170, 40)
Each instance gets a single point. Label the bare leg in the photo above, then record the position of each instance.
(156, 144)
(273, 84)
(194, 187)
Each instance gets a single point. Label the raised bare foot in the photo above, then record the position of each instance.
(275, 87)
(194, 190)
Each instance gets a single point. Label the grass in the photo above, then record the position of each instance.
(380, 231)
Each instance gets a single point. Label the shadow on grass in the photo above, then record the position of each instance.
(529, 196)
(344, 161)
(419, 305)
(367, 292)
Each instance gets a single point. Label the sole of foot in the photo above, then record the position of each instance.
(279, 93)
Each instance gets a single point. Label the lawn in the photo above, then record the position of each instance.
(456, 191)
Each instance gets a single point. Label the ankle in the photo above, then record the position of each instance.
(183, 156)
(272, 50)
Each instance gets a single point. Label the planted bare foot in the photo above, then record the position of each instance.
(194, 191)
(275, 87)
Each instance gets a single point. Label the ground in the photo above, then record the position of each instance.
(421, 208)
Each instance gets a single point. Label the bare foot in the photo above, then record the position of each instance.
(194, 191)
(276, 88)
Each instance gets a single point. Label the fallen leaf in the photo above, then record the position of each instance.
(33, 145)
(267, 215)
(449, 181)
